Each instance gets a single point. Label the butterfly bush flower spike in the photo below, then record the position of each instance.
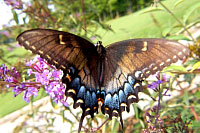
(49, 77)
(155, 84)
(46, 76)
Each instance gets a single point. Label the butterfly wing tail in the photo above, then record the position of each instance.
(81, 122)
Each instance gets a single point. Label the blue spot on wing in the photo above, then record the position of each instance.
(75, 84)
(131, 80)
(122, 97)
(81, 93)
(128, 89)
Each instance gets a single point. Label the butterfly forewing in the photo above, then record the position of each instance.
(142, 56)
(58, 48)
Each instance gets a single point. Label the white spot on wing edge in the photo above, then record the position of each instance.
(162, 63)
(145, 46)
(48, 56)
(33, 47)
(155, 68)
(71, 91)
(27, 43)
(131, 96)
(41, 52)
(55, 61)
(168, 60)
(80, 101)
(123, 104)
(180, 53)
(22, 38)
(61, 39)
(138, 74)
(184, 50)
(63, 67)
(174, 57)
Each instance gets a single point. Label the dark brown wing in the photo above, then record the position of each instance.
(128, 62)
(62, 49)
(77, 58)
(142, 57)
(57, 47)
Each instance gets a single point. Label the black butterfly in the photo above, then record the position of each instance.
(93, 74)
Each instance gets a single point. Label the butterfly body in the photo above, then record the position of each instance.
(110, 76)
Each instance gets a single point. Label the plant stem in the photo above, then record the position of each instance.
(158, 107)
(83, 15)
(101, 125)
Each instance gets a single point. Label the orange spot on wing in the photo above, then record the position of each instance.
(100, 100)
(69, 78)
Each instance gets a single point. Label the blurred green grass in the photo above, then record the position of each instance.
(143, 25)
(136, 25)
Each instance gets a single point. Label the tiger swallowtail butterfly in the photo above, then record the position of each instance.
(94, 75)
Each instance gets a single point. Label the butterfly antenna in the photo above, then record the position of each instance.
(100, 37)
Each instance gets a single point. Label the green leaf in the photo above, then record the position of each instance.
(73, 19)
(178, 3)
(115, 125)
(178, 37)
(154, 9)
(174, 68)
(136, 111)
(15, 17)
(186, 98)
(191, 62)
(190, 11)
(196, 124)
(195, 66)
(53, 104)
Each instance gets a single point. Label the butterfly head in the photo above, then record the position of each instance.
(100, 48)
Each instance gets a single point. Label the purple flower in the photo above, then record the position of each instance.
(9, 75)
(65, 103)
(78, 15)
(29, 72)
(93, 38)
(56, 91)
(155, 84)
(5, 32)
(46, 76)
(159, 82)
(16, 4)
(30, 91)
(57, 75)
